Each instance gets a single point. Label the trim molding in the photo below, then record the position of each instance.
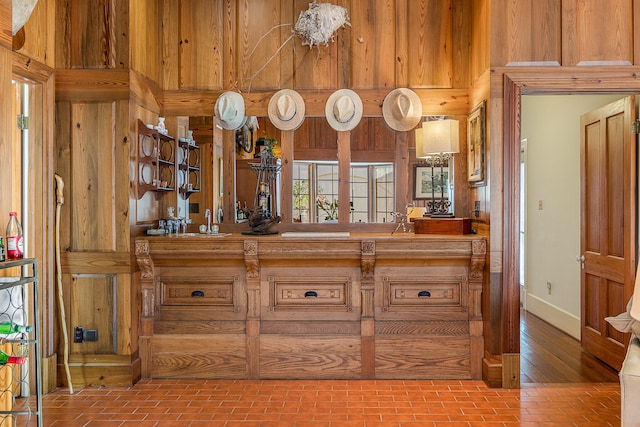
(556, 316)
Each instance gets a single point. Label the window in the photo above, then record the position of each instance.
(372, 197)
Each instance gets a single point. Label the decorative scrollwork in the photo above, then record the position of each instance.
(253, 267)
(367, 267)
(479, 247)
(368, 247)
(143, 259)
(250, 247)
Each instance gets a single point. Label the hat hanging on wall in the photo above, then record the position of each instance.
(229, 110)
(286, 109)
(343, 110)
(402, 109)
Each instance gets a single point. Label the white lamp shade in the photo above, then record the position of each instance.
(439, 136)
(419, 143)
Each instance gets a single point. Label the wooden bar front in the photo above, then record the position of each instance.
(362, 306)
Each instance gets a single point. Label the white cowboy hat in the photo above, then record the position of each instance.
(286, 109)
(343, 109)
(229, 110)
(402, 109)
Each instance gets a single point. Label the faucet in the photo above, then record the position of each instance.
(207, 214)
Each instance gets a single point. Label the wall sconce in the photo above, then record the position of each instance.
(436, 142)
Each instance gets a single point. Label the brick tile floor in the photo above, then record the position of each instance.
(341, 403)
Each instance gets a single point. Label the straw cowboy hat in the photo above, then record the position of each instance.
(229, 110)
(343, 109)
(402, 109)
(286, 109)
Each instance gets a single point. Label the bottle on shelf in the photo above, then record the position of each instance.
(239, 212)
(15, 243)
(6, 359)
(12, 328)
(263, 200)
(2, 255)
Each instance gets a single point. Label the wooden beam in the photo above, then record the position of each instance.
(201, 102)
(92, 85)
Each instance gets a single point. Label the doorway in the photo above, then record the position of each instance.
(550, 213)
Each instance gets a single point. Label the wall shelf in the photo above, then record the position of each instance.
(188, 167)
(156, 166)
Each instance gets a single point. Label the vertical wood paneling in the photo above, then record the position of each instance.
(534, 32)
(146, 40)
(372, 43)
(463, 25)
(200, 44)
(344, 172)
(402, 44)
(315, 68)
(430, 43)
(127, 315)
(63, 35)
(597, 32)
(91, 37)
(7, 148)
(6, 39)
(480, 38)
(170, 50)
(39, 44)
(258, 40)
(121, 148)
(93, 163)
(91, 307)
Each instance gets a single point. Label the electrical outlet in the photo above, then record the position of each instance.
(81, 334)
(549, 287)
(78, 334)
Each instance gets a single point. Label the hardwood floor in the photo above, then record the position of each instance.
(548, 355)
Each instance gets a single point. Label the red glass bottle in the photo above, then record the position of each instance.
(15, 243)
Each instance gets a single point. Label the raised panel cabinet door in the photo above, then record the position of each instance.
(608, 211)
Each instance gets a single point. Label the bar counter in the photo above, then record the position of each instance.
(311, 306)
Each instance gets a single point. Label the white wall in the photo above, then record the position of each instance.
(551, 126)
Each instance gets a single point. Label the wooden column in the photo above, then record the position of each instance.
(253, 308)
(476, 275)
(147, 309)
(367, 320)
(286, 176)
(344, 171)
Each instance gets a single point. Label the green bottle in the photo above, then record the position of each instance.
(2, 255)
(14, 360)
(12, 328)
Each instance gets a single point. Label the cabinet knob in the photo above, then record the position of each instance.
(310, 294)
(424, 294)
(197, 294)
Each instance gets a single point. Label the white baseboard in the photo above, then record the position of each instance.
(558, 317)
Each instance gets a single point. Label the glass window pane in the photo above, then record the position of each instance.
(315, 192)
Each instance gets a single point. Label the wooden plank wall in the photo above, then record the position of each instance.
(145, 58)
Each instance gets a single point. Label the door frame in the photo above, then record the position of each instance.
(505, 131)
